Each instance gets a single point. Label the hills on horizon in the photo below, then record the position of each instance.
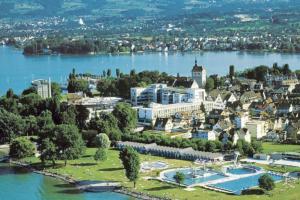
(20, 9)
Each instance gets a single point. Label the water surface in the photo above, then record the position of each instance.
(17, 70)
(18, 184)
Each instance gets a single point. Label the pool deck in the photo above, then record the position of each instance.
(277, 162)
(230, 177)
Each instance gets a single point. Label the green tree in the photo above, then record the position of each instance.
(100, 155)
(21, 148)
(108, 73)
(126, 116)
(179, 178)
(131, 163)
(82, 115)
(118, 73)
(231, 71)
(55, 89)
(11, 126)
(286, 69)
(210, 146)
(48, 151)
(210, 84)
(266, 182)
(68, 142)
(102, 141)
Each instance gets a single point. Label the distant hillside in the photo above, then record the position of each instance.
(134, 8)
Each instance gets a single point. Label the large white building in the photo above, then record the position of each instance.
(149, 114)
(43, 88)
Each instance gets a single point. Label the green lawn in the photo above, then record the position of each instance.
(272, 147)
(86, 168)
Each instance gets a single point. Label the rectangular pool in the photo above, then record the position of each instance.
(237, 186)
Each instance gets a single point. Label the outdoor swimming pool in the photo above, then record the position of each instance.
(194, 176)
(148, 166)
(238, 185)
(242, 170)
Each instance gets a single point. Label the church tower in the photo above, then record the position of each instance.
(199, 74)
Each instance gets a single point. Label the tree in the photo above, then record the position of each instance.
(108, 124)
(55, 89)
(10, 93)
(108, 73)
(231, 71)
(31, 126)
(102, 141)
(118, 73)
(179, 177)
(78, 85)
(131, 163)
(210, 84)
(68, 141)
(126, 116)
(11, 126)
(48, 151)
(100, 155)
(82, 116)
(210, 146)
(286, 69)
(266, 182)
(21, 148)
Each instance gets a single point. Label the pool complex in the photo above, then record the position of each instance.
(234, 181)
(238, 185)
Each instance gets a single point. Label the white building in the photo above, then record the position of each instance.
(240, 119)
(43, 88)
(154, 111)
(97, 105)
(205, 135)
(140, 96)
(199, 75)
(242, 134)
(257, 128)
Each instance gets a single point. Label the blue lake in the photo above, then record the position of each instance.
(17, 70)
(19, 184)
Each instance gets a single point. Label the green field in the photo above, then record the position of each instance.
(271, 147)
(86, 168)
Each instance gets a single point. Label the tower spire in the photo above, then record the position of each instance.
(195, 61)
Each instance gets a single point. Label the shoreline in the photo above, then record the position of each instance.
(74, 182)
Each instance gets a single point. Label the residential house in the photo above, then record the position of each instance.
(242, 134)
(257, 129)
(210, 135)
(163, 124)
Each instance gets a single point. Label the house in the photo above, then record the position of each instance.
(240, 119)
(163, 124)
(284, 108)
(258, 87)
(205, 135)
(292, 130)
(223, 126)
(257, 128)
(242, 134)
(248, 97)
(272, 136)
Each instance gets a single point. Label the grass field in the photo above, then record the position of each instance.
(86, 168)
(271, 147)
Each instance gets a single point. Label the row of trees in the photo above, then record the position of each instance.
(247, 149)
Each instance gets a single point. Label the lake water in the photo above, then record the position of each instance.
(19, 184)
(17, 70)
